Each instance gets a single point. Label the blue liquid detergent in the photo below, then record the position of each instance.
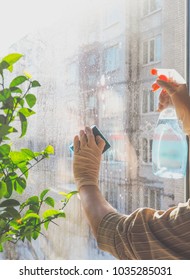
(169, 150)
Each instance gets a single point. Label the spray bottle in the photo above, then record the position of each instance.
(169, 149)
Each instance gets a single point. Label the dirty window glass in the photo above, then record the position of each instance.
(94, 67)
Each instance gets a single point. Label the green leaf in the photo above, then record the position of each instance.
(33, 200)
(31, 100)
(9, 202)
(6, 129)
(23, 168)
(43, 193)
(35, 84)
(12, 58)
(61, 215)
(17, 81)
(28, 233)
(68, 195)
(13, 212)
(26, 112)
(24, 124)
(35, 234)
(3, 189)
(4, 150)
(9, 187)
(34, 208)
(51, 213)
(2, 119)
(49, 150)
(8, 103)
(3, 65)
(50, 201)
(46, 224)
(30, 154)
(18, 100)
(20, 185)
(18, 157)
(31, 216)
(2, 224)
(4, 94)
(15, 89)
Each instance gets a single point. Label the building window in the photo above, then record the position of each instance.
(91, 80)
(145, 196)
(152, 50)
(147, 150)
(112, 16)
(150, 6)
(111, 59)
(92, 59)
(149, 101)
(92, 102)
(72, 73)
(151, 197)
(150, 150)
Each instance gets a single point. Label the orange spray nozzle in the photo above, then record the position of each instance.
(154, 72)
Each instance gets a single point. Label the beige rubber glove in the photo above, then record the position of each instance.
(178, 96)
(87, 158)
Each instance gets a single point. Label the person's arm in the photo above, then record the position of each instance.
(95, 206)
(86, 165)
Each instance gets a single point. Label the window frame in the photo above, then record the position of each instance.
(149, 11)
(116, 49)
(148, 150)
(149, 97)
(149, 41)
(187, 181)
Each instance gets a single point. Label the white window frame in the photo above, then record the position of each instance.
(148, 150)
(157, 56)
(147, 92)
(116, 58)
(147, 200)
(149, 11)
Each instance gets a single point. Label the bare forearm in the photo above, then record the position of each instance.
(95, 206)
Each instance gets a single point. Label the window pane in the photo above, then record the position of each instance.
(152, 50)
(153, 5)
(152, 198)
(111, 59)
(145, 102)
(158, 48)
(145, 7)
(152, 106)
(94, 72)
(145, 150)
(150, 150)
(145, 52)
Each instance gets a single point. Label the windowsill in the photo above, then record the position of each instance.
(149, 164)
(111, 25)
(111, 72)
(149, 114)
(151, 13)
(151, 63)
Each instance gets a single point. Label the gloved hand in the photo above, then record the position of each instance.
(87, 158)
(178, 96)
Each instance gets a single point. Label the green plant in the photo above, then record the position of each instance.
(20, 221)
